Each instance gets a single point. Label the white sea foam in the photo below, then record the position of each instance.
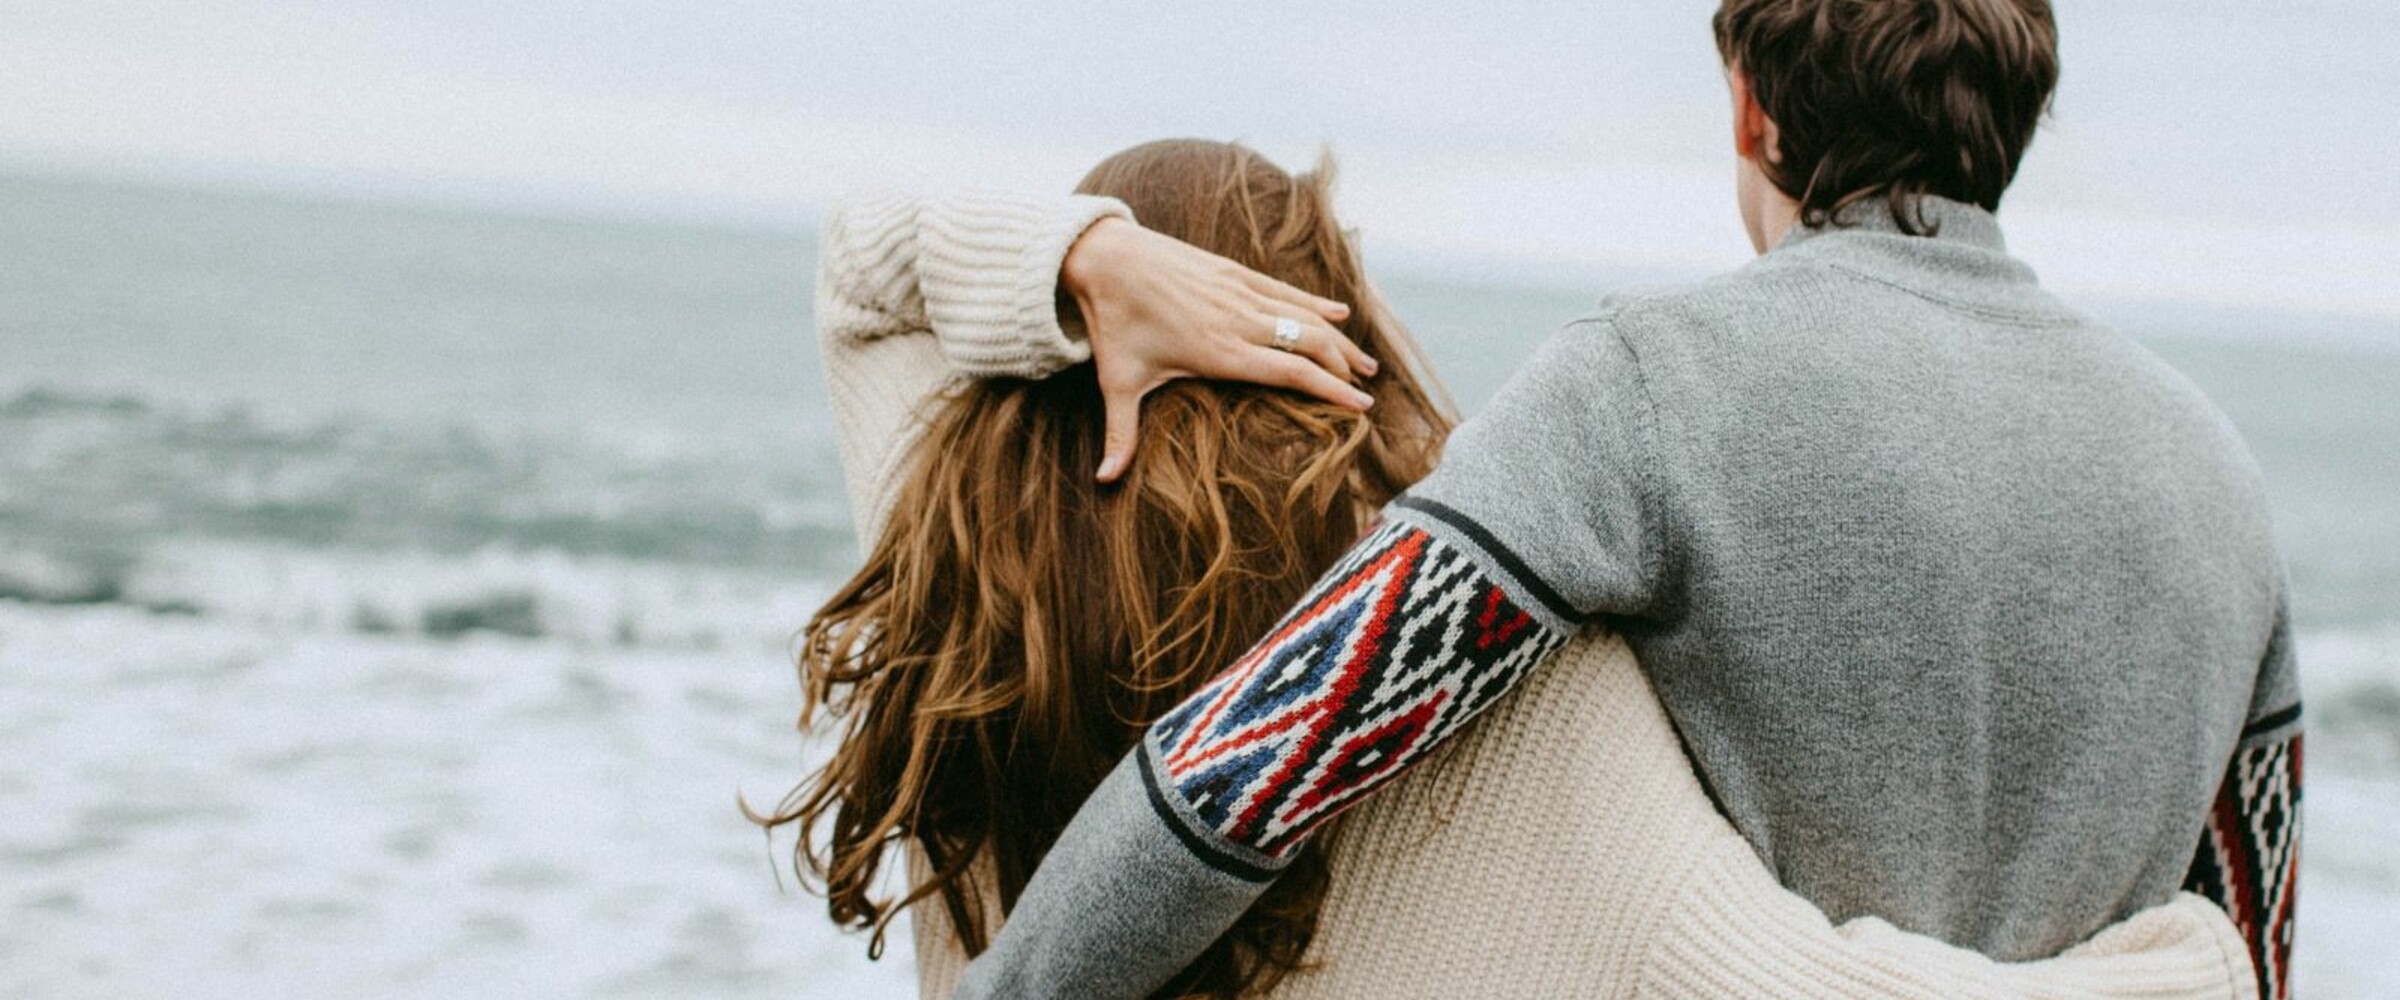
(216, 807)
(2349, 874)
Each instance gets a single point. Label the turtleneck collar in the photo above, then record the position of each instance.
(1962, 259)
(1946, 220)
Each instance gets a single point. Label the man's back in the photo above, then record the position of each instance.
(1959, 601)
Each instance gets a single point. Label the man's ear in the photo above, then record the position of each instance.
(1755, 136)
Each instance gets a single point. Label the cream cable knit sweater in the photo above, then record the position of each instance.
(1562, 847)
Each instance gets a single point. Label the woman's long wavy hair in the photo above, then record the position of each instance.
(1016, 627)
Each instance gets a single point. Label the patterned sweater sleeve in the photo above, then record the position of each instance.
(1541, 515)
(913, 293)
(2248, 860)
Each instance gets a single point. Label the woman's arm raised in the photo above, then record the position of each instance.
(912, 292)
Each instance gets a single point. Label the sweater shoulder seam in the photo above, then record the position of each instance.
(1646, 473)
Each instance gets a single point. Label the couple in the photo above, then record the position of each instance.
(1877, 625)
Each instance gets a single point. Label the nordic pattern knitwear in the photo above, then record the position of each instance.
(2248, 861)
(1398, 646)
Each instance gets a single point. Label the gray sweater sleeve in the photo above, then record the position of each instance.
(1538, 518)
(1559, 476)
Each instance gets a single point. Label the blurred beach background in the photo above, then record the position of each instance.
(413, 468)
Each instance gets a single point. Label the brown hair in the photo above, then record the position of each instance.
(1893, 99)
(1016, 627)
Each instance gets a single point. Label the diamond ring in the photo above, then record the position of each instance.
(1287, 334)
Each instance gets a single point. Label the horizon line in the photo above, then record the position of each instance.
(1529, 271)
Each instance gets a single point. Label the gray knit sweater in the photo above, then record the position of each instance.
(1961, 603)
(1959, 600)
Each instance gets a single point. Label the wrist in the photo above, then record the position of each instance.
(1091, 259)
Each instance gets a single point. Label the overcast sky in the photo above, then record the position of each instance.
(2201, 149)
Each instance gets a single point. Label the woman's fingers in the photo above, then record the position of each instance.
(1290, 371)
(1320, 343)
(1360, 361)
(1161, 309)
(1123, 417)
(1330, 310)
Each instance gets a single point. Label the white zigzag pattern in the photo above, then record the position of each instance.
(1463, 698)
(2266, 776)
(1252, 668)
(1442, 598)
(1444, 592)
(1368, 593)
(2264, 842)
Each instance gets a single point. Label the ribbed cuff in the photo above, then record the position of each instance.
(1211, 847)
(1120, 905)
(989, 266)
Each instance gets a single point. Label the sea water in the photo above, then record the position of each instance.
(395, 602)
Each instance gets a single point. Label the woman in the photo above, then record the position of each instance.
(1015, 627)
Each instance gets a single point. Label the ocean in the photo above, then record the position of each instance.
(394, 601)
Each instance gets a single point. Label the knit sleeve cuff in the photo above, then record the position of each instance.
(989, 270)
(1117, 908)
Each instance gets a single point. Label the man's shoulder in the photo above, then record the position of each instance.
(2165, 399)
(1736, 308)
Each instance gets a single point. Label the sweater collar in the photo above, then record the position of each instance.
(1947, 221)
(1962, 260)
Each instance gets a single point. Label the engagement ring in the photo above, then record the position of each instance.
(1287, 334)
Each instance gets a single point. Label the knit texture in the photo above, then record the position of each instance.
(1400, 646)
(1959, 600)
(988, 266)
(2249, 856)
(1562, 846)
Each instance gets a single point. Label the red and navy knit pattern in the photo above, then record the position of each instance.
(1391, 653)
(2248, 861)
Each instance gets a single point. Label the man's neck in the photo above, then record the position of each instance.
(1777, 216)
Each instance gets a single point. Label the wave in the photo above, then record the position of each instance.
(552, 596)
(437, 529)
(98, 478)
(2350, 687)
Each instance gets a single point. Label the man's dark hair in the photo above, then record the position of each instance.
(1893, 99)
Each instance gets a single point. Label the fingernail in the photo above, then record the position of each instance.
(1372, 366)
(1363, 400)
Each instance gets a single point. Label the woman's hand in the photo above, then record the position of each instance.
(1159, 309)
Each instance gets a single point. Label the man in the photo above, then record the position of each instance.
(1961, 603)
